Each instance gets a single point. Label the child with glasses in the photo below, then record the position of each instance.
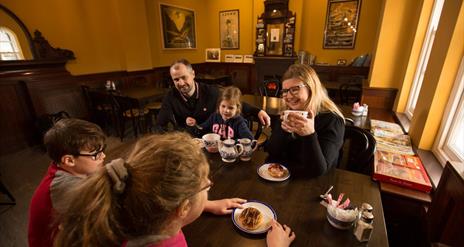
(76, 148)
(146, 200)
(226, 121)
(308, 145)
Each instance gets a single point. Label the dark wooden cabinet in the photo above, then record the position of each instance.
(275, 30)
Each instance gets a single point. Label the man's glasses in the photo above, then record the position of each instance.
(293, 90)
(95, 156)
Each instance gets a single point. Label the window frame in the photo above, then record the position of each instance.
(18, 53)
(454, 109)
(424, 58)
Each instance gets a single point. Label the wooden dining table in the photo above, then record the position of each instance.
(296, 202)
(273, 106)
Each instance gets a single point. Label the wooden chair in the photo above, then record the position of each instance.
(357, 152)
(256, 128)
(350, 93)
(153, 109)
(101, 108)
(129, 109)
(446, 212)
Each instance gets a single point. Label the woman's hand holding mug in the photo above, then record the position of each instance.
(298, 122)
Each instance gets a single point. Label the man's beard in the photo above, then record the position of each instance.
(185, 90)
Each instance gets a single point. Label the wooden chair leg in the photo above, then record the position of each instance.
(5, 191)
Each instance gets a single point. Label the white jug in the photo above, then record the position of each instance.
(249, 146)
(229, 150)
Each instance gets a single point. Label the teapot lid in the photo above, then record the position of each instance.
(229, 141)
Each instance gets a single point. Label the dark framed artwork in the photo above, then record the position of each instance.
(341, 24)
(177, 27)
(229, 29)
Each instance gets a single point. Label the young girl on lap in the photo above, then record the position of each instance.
(146, 200)
(227, 121)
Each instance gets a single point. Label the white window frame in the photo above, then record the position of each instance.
(17, 52)
(443, 148)
(424, 58)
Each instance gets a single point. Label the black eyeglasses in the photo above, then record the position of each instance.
(209, 185)
(293, 90)
(95, 156)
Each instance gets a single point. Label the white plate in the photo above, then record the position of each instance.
(266, 210)
(263, 172)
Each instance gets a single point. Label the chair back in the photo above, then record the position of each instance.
(350, 93)
(270, 87)
(256, 128)
(357, 152)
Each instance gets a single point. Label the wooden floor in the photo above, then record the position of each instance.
(21, 172)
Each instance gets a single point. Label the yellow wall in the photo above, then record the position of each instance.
(109, 35)
(245, 8)
(405, 87)
(445, 57)
(162, 57)
(395, 39)
(8, 22)
(313, 17)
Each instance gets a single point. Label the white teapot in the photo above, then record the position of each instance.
(229, 150)
(249, 146)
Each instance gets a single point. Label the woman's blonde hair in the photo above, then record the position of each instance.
(232, 94)
(318, 99)
(163, 171)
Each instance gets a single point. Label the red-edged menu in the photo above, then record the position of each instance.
(402, 170)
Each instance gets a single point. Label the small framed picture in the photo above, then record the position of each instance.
(248, 58)
(229, 58)
(213, 55)
(238, 58)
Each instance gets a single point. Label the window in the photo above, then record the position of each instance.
(424, 58)
(449, 144)
(9, 45)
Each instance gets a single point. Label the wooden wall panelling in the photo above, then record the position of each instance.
(243, 74)
(241, 77)
(446, 213)
(332, 73)
(17, 121)
(382, 98)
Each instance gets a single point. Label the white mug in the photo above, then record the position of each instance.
(302, 113)
(211, 142)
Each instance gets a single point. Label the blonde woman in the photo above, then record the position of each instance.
(146, 200)
(308, 144)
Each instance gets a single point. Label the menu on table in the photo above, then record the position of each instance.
(395, 161)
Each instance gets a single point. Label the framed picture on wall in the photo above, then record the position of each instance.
(177, 27)
(213, 55)
(274, 42)
(341, 24)
(229, 29)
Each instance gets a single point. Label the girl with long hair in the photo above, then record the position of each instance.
(146, 200)
(310, 144)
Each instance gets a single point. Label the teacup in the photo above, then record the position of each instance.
(211, 142)
(302, 113)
